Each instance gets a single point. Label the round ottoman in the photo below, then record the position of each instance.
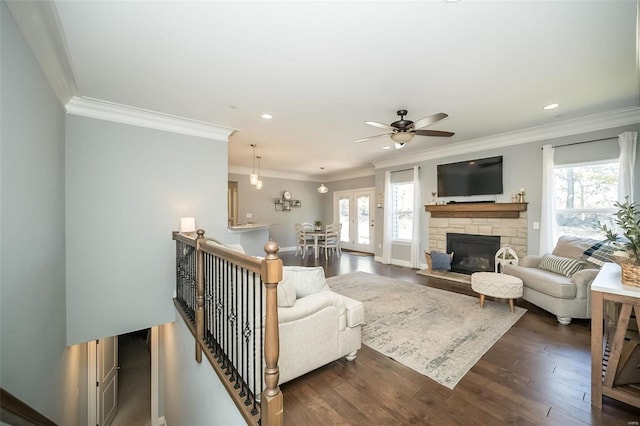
(496, 285)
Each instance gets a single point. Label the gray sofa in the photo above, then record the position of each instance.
(565, 297)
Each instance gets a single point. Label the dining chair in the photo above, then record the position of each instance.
(331, 239)
(303, 241)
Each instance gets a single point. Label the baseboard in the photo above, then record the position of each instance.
(398, 262)
(162, 421)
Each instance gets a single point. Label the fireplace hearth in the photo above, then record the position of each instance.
(472, 253)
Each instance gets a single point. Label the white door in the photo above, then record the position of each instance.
(107, 379)
(355, 212)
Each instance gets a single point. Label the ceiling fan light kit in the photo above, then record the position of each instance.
(402, 137)
(402, 131)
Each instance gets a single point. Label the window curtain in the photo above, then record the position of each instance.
(387, 229)
(548, 209)
(627, 142)
(415, 238)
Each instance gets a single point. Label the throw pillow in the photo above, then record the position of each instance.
(599, 253)
(286, 294)
(306, 280)
(439, 261)
(560, 265)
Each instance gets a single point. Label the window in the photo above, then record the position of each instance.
(402, 210)
(585, 194)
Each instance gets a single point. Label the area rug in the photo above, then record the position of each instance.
(437, 333)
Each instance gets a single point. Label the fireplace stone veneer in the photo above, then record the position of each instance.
(511, 231)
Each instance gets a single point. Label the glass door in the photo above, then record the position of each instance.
(355, 212)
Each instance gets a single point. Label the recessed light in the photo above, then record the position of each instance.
(386, 147)
(267, 116)
(552, 106)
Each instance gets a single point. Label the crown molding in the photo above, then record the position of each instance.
(591, 123)
(102, 110)
(276, 174)
(40, 26)
(351, 174)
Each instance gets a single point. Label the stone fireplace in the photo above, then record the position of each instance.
(509, 230)
(472, 253)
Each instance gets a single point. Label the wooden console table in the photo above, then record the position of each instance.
(606, 349)
(492, 210)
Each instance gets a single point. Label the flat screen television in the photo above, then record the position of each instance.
(475, 177)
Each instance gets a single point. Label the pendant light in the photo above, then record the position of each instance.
(259, 181)
(322, 188)
(253, 177)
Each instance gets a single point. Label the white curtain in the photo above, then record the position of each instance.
(415, 238)
(387, 229)
(548, 209)
(627, 142)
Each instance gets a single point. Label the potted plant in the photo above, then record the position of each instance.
(318, 225)
(627, 253)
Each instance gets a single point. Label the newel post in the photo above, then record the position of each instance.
(271, 403)
(199, 294)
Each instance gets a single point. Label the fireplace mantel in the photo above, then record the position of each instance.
(492, 210)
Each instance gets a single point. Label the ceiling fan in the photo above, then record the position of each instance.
(402, 131)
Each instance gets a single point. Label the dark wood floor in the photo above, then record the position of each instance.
(537, 373)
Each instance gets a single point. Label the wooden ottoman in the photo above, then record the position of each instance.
(496, 285)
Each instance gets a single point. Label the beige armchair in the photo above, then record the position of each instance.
(317, 326)
(566, 297)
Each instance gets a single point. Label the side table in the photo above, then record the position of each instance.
(606, 349)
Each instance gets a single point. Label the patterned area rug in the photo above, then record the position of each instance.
(437, 333)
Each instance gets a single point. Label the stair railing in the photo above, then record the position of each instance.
(229, 302)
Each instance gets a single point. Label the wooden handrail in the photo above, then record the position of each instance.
(13, 411)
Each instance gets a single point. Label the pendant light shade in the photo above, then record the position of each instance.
(258, 179)
(253, 177)
(322, 189)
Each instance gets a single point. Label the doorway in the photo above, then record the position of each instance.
(355, 211)
(122, 377)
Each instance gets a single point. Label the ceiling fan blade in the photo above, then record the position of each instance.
(423, 122)
(380, 125)
(370, 137)
(434, 133)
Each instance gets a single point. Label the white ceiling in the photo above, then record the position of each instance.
(323, 69)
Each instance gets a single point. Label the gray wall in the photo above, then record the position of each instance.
(36, 365)
(260, 204)
(315, 206)
(193, 394)
(522, 169)
(127, 188)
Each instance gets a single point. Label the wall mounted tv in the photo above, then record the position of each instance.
(475, 177)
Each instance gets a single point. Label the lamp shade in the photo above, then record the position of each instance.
(253, 179)
(259, 184)
(323, 189)
(402, 137)
(187, 224)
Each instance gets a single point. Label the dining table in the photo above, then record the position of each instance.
(317, 235)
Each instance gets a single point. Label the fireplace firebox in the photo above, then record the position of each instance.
(472, 253)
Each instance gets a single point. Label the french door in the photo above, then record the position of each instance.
(355, 211)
